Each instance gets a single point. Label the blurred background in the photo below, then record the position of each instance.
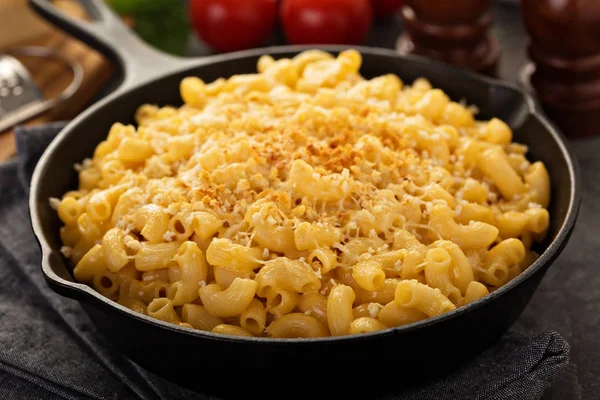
(495, 42)
(180, 27)
(194, 27)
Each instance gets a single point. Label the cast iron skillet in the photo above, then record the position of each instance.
(207, 362)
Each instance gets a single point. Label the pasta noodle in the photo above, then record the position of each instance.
(304, 200)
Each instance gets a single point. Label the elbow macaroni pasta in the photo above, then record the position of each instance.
(304, 201)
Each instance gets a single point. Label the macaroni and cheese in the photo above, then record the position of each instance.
(304, 201)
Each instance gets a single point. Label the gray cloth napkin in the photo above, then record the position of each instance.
(50, 350)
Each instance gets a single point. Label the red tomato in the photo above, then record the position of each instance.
(229, 25)
(383, 8)
(326, 22)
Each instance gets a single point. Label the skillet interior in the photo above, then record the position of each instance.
(442, 341)
(503, 102)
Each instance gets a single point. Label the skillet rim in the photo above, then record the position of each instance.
(84, 293)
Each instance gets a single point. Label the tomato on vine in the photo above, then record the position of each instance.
(230, 25)
(326, 22)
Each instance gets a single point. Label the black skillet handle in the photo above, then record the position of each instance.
(110, 36)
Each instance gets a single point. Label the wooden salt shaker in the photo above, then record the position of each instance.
(453, 31)
(564, 72)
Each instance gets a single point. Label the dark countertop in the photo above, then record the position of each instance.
(568, 299)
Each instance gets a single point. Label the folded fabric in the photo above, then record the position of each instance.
(50, 350)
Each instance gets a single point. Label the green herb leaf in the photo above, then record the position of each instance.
(161, 23)
(124, 7)
(132, 7)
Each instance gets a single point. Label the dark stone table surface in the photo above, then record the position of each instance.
(568, 299)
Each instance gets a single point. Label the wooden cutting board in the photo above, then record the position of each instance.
(53, 77)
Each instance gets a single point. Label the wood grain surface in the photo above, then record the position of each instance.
(52, 77)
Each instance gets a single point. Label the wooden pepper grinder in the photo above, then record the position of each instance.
(564, 72)
(453, 31)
